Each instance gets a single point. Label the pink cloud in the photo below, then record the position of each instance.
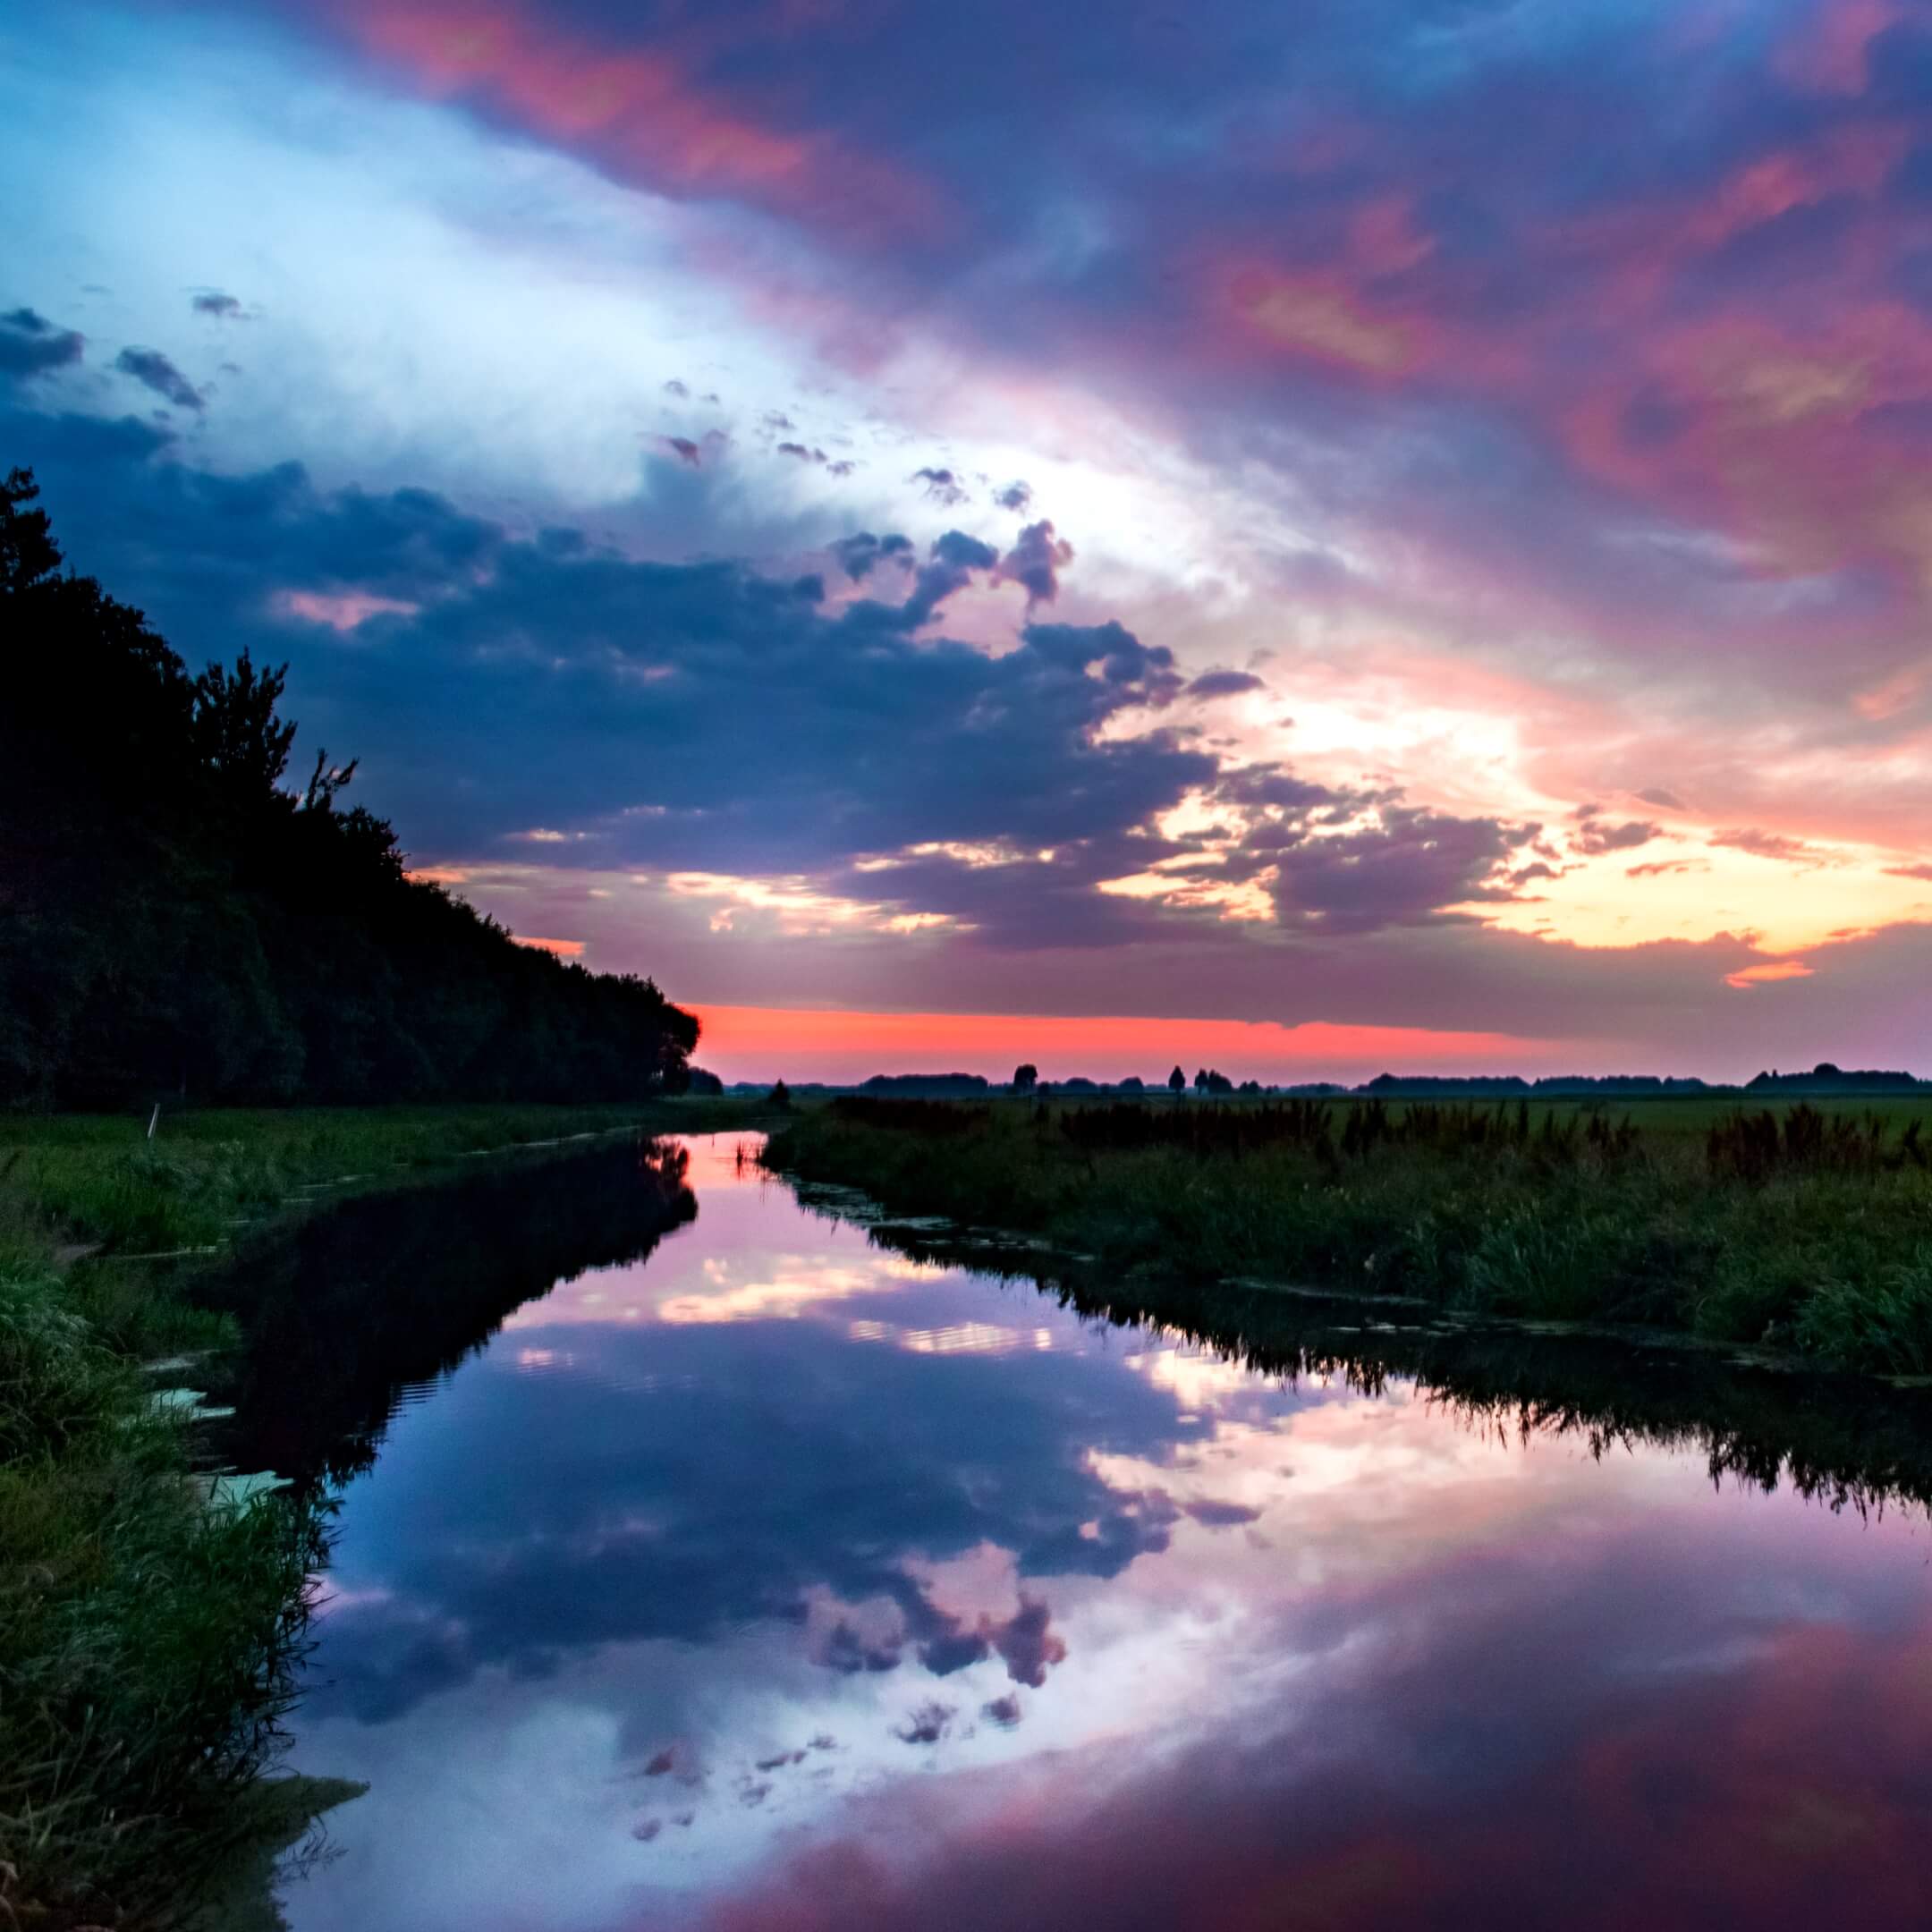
(1770, 974)
(1319, 315)
(1828, 53)
(641, 113)
(341, 610)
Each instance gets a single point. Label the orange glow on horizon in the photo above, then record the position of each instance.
(821, 1043)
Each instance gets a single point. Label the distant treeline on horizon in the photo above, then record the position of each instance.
(175, 921)
(1825, 1078)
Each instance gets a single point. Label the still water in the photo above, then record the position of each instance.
(753, 1576)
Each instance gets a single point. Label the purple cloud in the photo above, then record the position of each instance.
(153, 370)
(942, 485)
(1223, 684)
(1035, 563)
(30, 344)
(858, 554)
(1593, 837)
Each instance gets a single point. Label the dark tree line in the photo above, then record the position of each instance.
(176, 919)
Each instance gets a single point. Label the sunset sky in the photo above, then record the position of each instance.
(1314, 538)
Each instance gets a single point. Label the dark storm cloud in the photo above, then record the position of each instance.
(802, 453)
(153, 370)
(30, 343)
(1016, 496)
(215, 302)
(705, 718)
(684, 448)
(698, 714)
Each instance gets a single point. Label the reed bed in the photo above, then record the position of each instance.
(1803, 1229)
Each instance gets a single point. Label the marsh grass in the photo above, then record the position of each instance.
(147, 1642)
(1808, 1230)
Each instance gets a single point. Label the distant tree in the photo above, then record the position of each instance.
(1177, 1082)
(780, 1095)
(1026, 1077)
(29, 556)
(704, 1082)
(1210, 1080)
(325, 781)
(238, 739)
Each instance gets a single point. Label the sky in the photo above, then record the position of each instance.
(1315, 539)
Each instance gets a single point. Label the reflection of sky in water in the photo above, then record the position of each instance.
(776, 1581)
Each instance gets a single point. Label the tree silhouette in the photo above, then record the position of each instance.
(173, 919)
(1177, 1082)
(27, 552)
(238, 737)
(1026, 1077)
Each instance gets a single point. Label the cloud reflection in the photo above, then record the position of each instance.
(768, 1624)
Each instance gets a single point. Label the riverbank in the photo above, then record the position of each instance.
(1803, 1229)
(147, 1640)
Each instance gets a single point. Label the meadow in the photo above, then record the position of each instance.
(149, 1639)
(1801, 1229)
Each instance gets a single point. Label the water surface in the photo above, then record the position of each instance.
(754, 1576)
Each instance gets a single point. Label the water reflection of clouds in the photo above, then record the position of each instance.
(768, 1458)
(1473, 1757)
(794, 1286)
(1077, 1635)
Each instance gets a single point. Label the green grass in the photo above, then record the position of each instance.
(1826, 1253)
(148, 1645)
(101, 1179)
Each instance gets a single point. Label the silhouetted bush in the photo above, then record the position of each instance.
(1754, 1147)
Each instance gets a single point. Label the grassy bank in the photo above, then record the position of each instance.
(147, 1642)
(1806, 1229)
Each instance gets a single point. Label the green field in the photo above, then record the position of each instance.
(1802, 1228)
(98, 1178)
(148, 1641)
